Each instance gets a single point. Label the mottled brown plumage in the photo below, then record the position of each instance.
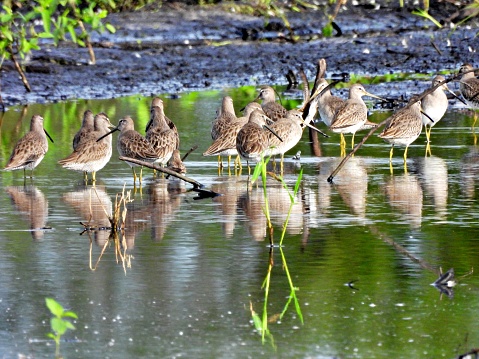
(30, 149)
(133, 145)
(87, 126)
(155, 103)
(328, 104)
(225, 116)
(176, 164)
(225, 145)
(403, 127)
(469, 86)
(91, 155)
(252, 140)
(353, 114)
(160, 135)
(271, 108)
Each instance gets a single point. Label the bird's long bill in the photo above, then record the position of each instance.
(429, 117)
(316, 129)
(318, 93)
(457, 97)
(107, 134)
(48, 135)
(148, 125)
(371, 95)
(273, 132)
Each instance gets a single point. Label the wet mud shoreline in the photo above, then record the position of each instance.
(174, 50)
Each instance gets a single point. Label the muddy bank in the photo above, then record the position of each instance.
(172, 50)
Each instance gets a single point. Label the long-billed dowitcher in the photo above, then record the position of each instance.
(271, 108)
(290, 130)
(434, 105)
(162, 138)
(225, 145)
(90, 155)
(156, 102)
(328, 104)
(403, 127)
(221, 124)
(469, 87)
(87, 126)
(132, 144)
(353, 114)
(252, 140)
(30, 149)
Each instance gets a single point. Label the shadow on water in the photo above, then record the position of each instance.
(190, 272)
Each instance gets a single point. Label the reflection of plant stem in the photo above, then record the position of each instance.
(266, 283)
(292, 295)
(261, 169)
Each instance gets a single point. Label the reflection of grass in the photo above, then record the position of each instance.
(261, 322)
(117, 220)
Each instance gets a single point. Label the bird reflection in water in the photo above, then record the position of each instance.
(404, 193)
(470, 173)
(432, 173)
(252, 202)
(231, 189)
(351, 183)
(32, 204)
(165, 197)
(94, 207)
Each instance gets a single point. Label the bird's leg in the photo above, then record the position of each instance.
(405, 153)
(391, 154)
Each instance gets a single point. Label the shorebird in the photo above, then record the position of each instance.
(328, 104)
(221, 124)
(133, 145)
(90, 155)
(469, 87)
(287, 133)
(352, 116)
(161, 137)
(176, 164)
(30, 149)
(225, 145)
(252, 140)
(156, 102)
(403, 127)
(271, 108)
(434, 105)
(87, 126)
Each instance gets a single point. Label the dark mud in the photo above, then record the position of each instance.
(172, 50)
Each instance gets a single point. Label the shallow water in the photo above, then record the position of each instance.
(195, 267)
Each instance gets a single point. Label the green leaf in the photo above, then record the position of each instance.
(45, 35)
(69, 325)
(110, 28)
(328, 30)
(70, 314)
(46, 21)
(58, 325)
(73, 35)
(51, 335)
(298, 182)
(55, 308)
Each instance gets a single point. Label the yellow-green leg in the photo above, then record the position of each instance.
(352, 141)
(391, 154)
(134, 175)
(405, 153)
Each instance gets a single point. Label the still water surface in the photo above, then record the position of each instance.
(195, 268)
